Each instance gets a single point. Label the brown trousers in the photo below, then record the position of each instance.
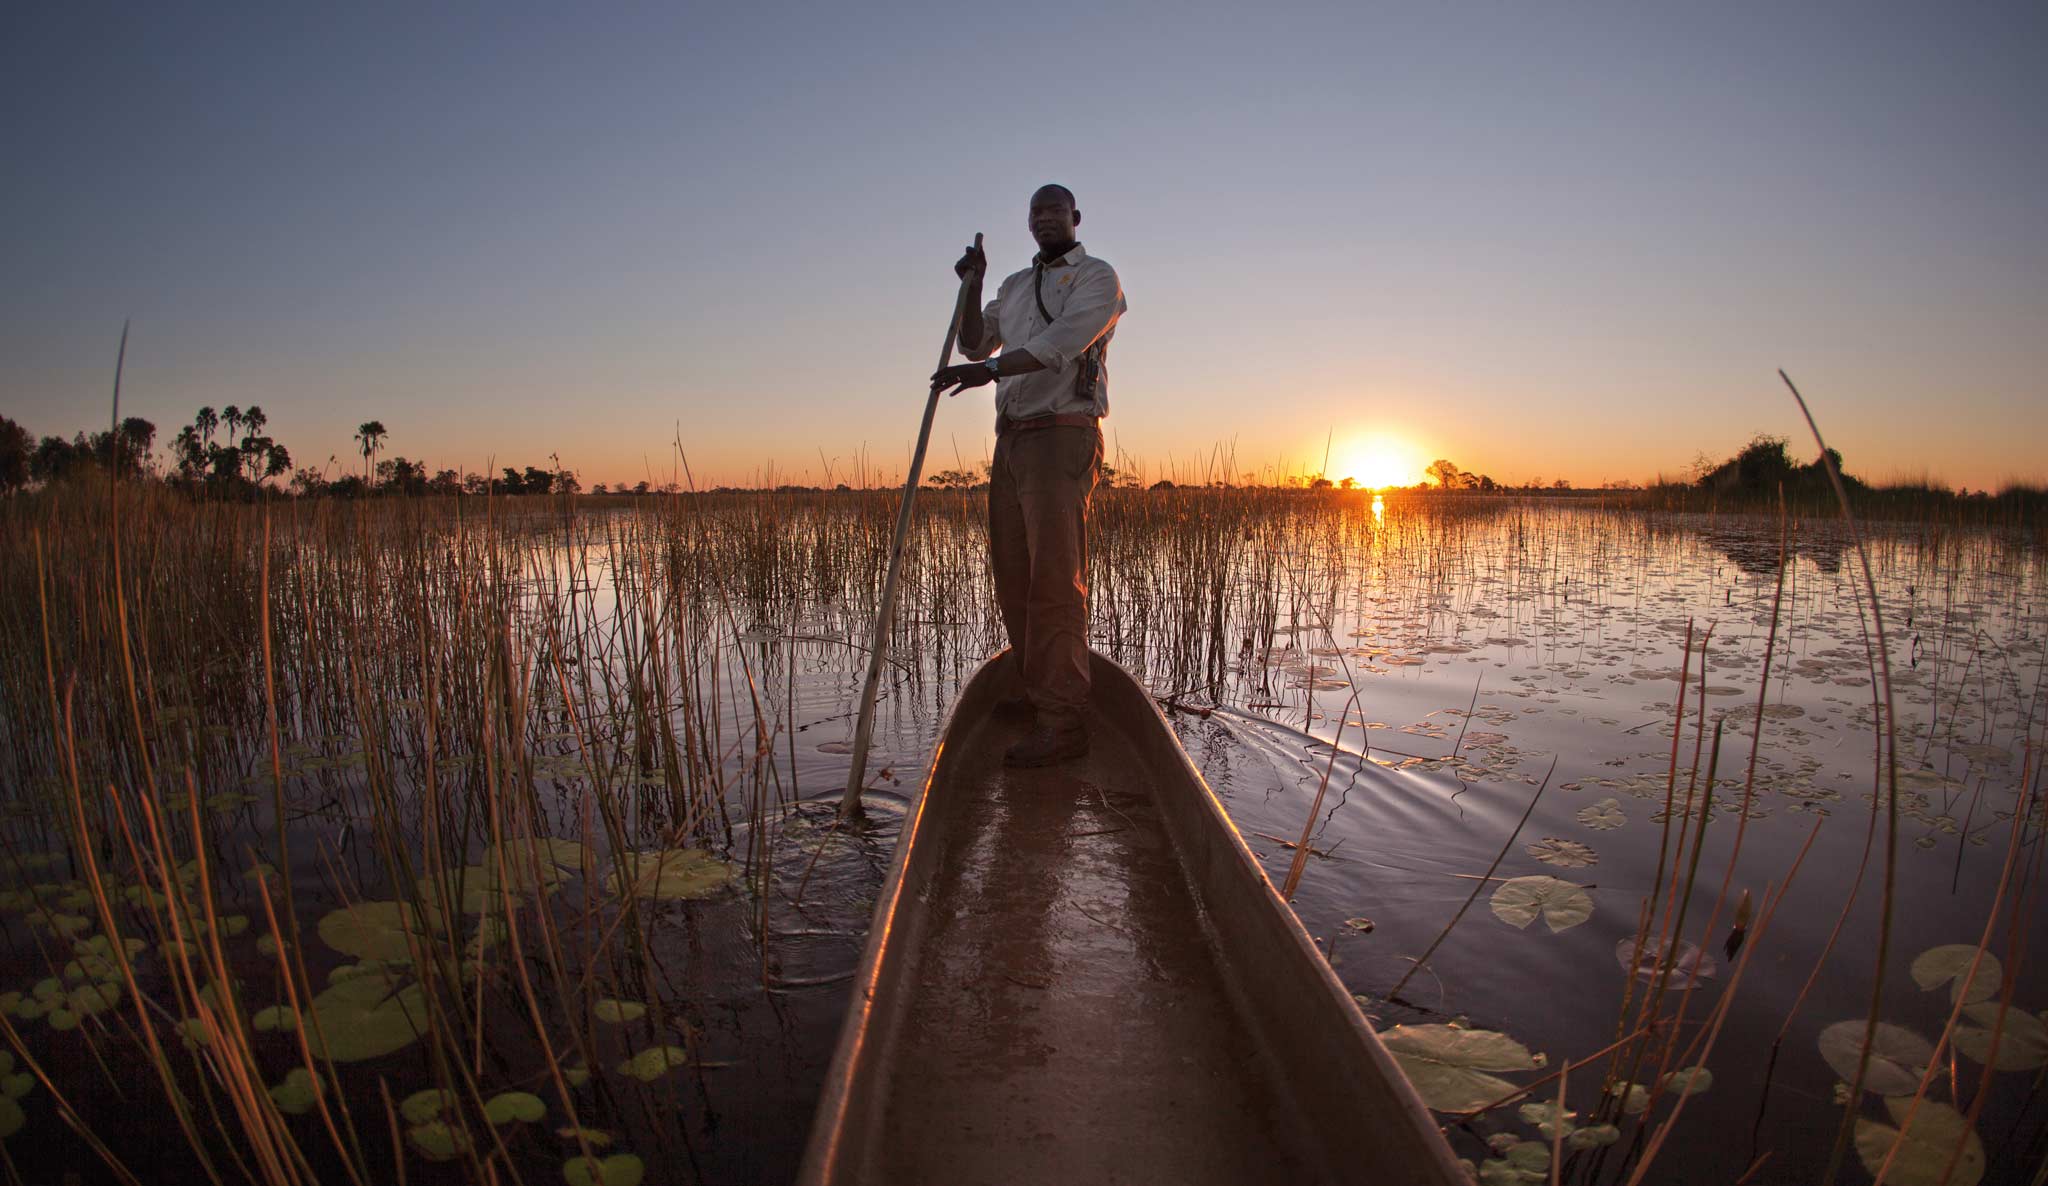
(1038, 494)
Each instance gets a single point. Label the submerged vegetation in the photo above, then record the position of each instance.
(471, 839)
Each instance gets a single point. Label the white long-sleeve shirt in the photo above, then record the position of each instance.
(1085, 299)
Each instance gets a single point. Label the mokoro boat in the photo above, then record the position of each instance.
(1081, 975)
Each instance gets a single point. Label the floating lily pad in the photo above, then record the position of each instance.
(1898, 1056)
(1593, 1137)
(618, 1011)
(276, 1019)
(653, 1063)
(1569, 854)
(514, 1107)
(17, 1086)
(422, 1106)
(366, 1017)
(1689, 966)
(371, 930)
(620, 1169)
(1604, 815)
(11, 1117)
(1561, 904)
(1547, 1119)
(2022, 1044)
(596, 1138)
(670, 874)
(1927, 1144)
(437, 1140)
(297, 1094)
(1686, 1081)
(1447, 1064)
(1524, 1164)
(1950, 963)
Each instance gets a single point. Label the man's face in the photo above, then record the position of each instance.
(1052, 219)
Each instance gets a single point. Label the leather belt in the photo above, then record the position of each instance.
(1053, 420)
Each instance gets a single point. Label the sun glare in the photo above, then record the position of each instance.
(1379, 462)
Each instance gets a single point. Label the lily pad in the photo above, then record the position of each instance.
(276, 1019)
(1593, 1136)
(654, 1062)
(1689, 966)
(1524, 1164)
(296, 1095)
(1562, 905)
(620, 1169)
(1604, 815)
(2022, 1044)
(667, 874)
(372, 930)
(1686, 1081)
(1898, 1056)
(514, 1107)
(1950, 963)
(11, 1117)
(422, 1106)
(1547, 1119)
(1927, 1144)
(366, 1017)
(596, 1138)
(1447, 1064)
(618, 1011)
(437, 1140)
(1569, 854)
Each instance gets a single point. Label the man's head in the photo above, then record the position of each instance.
(1054, 218)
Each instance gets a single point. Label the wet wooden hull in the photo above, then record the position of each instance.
(1080, 974)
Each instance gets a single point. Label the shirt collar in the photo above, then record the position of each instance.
(1074, 255)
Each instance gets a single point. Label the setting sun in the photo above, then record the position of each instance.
(1378, 462)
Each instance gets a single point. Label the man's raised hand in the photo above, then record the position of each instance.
(973, 261)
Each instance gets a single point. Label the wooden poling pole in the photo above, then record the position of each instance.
(885, 614)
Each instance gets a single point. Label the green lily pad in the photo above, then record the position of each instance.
(670, 874)
(276, 1019)
(2022, 1044)
(372, 930)
(366, 1017)
(1524, 1164)
(89, 999)
(1686, 1081)
(514, 1107)
(596, 1138)
(620, 1169)
(422, 1106)
(1447, 1064)
(297, 1094)
(437, 1140)
(63, 1019)
(1928, 1142)
(1546, 1118)
(1561, 904)
(17, 1086)
(1568, 854)
(654, 1062)
(1898, 1056)
(553, 855)
(11, 1117)
(1950, 963)
(1593, 1136)
(576, 1076)
(1604, 815)
(618, 1011)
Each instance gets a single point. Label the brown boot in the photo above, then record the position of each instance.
(1049, 743)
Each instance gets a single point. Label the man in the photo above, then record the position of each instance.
(1044, 342)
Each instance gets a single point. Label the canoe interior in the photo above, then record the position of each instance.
(1080, 974)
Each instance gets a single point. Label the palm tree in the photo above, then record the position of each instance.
(370, 437)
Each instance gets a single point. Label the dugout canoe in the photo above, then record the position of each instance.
(1080, 974)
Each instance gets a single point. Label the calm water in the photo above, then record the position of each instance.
(1456, 661)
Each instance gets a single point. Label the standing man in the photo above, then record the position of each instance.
(1051, 323)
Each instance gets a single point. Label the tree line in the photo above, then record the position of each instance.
(229, 454)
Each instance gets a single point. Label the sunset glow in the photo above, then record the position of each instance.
(1378, 462)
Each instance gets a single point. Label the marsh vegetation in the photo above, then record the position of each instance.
(466, 839)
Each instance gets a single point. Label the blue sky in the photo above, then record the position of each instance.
(1566, 240)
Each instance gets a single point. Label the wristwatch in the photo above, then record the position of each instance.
(993, 370)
